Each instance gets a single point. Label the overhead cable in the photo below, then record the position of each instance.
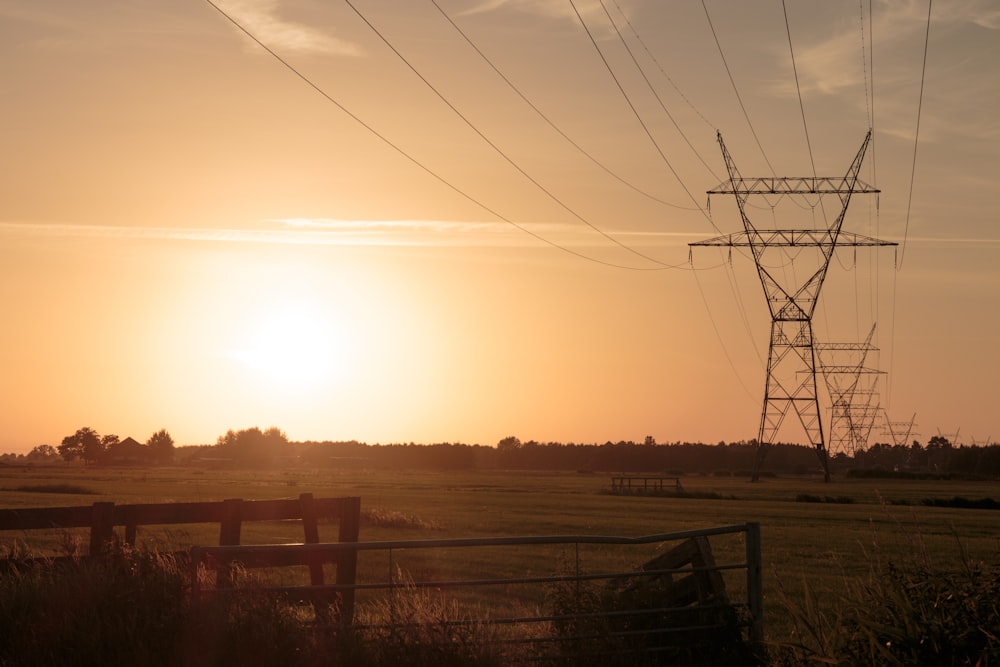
(495, 147)
(735, 89)
(549, 121)
(718, 335)
(916, 136)
(649, 85)
(913, 172)
(417, 162)
(652, 57)
(638, 117)
(798, 89)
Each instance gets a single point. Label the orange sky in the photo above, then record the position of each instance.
(193, 237)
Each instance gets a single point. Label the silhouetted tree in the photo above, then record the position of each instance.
(510, 442)
(85, 444)
(161, 446)
(43, 453)
(253, 446)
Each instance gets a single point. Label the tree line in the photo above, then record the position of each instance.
(939, 457)
(89, 446)
(256, 447)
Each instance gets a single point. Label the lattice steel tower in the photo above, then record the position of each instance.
(791, 361)
(852, 388)
(900, 431)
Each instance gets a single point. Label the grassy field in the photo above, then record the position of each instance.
(813, 544)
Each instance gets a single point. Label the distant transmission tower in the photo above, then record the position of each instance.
(852, 387)
(900, 431)
(791, 361)
(951, 437)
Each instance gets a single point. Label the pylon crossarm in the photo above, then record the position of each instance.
(853, 347)
(793, 185)
(849, 370)
(792, 238)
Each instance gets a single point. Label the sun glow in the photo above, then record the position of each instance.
(292, 345)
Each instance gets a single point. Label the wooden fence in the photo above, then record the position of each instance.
(642, 484)
(103, 517)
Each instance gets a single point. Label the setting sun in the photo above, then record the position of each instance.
(294, 344)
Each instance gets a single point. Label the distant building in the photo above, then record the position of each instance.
(127, 452)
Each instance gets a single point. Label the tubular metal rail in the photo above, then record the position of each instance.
(677, 599)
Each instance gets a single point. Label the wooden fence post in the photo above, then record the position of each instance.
(229, 527)
(102, 527)
(347, 562)
(229, 534)
(308, 509)
(755, 584)
(131, 524)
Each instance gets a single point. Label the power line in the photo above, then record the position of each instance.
(798, 89)
(916, 135)
(735, 89)
(718, 335)
(871, 58)
(494, 146)
(864, 63)
(649, 85)
(635, 112)
(913, 171)
(549, 121)
(417, 162)
(660, 67)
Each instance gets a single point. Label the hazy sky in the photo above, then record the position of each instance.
(472, 223)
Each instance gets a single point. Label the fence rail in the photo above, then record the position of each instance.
(643, 484)
(103, 517)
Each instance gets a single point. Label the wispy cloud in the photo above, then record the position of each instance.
(291, 232)
(832, 64)
(261, 17)
(958, 64)
(325, 231)
(551, 9)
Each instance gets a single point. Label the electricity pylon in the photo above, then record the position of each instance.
(851, 386)
(862, 418)
(791, 360)
(900, 431)
(951, 437)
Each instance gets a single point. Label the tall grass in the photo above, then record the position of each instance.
(127, 607)
(910, 608)
(134, 607)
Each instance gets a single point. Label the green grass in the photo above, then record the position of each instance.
(805, 544)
